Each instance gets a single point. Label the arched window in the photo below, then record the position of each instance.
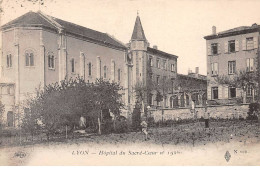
(72, 65)
(9, 60)
(119, 74)
(29, 58)
(89, 69)
(51, 61)
(105, 71)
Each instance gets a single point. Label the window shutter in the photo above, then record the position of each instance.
(247, 65)
(216, 68)
(226, 92)
(243, 44)
(112, 70)
(212, 69)
(209, 49)
(209, 92)
(255, 42)
(219, 51)
(237, 45)
(226, 47)
(251, 64)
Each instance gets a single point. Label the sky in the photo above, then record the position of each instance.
(175, 26)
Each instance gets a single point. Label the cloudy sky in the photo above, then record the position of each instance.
(175, 26)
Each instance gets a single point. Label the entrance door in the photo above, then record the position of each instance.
(10, 119)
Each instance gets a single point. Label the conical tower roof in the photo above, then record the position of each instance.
(138, 33)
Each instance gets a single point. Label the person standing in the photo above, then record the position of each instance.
(144, 129)
(206, 117)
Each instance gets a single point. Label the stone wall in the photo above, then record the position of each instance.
(227, 111)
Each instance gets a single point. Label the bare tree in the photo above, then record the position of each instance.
(242, 80)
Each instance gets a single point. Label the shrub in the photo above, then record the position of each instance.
(121, 125)
(253, 111)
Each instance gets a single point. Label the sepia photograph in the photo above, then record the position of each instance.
(129, 83)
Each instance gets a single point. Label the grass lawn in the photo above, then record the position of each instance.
(184, 144)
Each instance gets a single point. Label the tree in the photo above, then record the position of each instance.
(242, 80)
(2, 110)
(62, 104)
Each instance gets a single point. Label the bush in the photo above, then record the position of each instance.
(253, 111)
(121, 125)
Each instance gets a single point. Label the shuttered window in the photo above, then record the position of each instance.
(214, 92)
(249, 43)
(214, 69)
(231, 46)
(249, 64)
(231, 67)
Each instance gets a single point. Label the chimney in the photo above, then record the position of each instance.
(197, 70)
(214, 30)
(155, 47)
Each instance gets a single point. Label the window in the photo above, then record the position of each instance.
(231, 67)
(214, 92)
(249, 90)
(158, 63)
(89, 69)
(232, 92)
(9, 60)
(8, 90)
(51, 61)
(157, 79)
(29, 59)
(231, 46)
(119, 74)
(214, 48)
(164, 79)
(249, 43)
(249, 64)
(214, 69)
(105, 71)
(172, 68)
(164, 64)
(72, 65)
(151, 61)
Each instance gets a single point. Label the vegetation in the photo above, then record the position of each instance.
(62, 104)
(2, 109)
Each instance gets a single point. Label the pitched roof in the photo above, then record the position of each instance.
(38, 19)
(28, 19)
(235, 31)
(138, 32)
(159, 52)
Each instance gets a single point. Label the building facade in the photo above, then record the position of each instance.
(38, 50)
(228, 53)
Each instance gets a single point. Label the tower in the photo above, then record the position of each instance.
(138, 48)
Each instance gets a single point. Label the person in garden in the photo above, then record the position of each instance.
(144, 129)
(206, 117)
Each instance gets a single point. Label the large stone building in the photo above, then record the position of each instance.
(229, 52)
(38, 50)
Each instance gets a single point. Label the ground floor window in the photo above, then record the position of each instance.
(232, 92)
(10, 119)
(214, 92)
